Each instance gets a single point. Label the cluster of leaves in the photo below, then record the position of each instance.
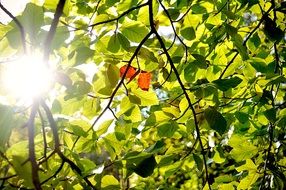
(211, 117)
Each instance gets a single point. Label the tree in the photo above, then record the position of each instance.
(184, 95)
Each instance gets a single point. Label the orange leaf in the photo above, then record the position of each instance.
(130, 72)
(144, 80)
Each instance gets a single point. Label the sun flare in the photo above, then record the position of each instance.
(27, 77)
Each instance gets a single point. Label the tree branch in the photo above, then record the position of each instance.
(52, 31)
(153, 29)
(245, 41)
(32, 156)
(20, 26)
(53, 126)
(44, 133)
(271, 125)
(118, 85)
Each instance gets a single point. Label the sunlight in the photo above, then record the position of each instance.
(26, 78)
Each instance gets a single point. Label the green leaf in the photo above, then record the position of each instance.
(237, 40)
(159, 145)
(124, 42)
(255, 40)
(270, 114)
(133, 114)
(103, 127)
(252, 176)
(198, 9)
(109, 182)
(282, 7)
(112, 74)
(218, 158)
(200, 61)
(120, 136)
(83, 53)
(63, 79)
(113, 44)
(166, 160)
(242, 117)
(77, 130)
(198, 161)
(242, 148)
(6, 125)
(215, 120)
(87, 165)
(167, 129)
(14, 39)
(259, 65)
(174, 13)
(148, 98)
(226, 84)
(273, 32)
(79, 88)
(249, 165)
(106, 79)
(190, 72)
(62, 34)
(146, 167)
(32, 20)
(188, 33)
(18, 153)
(134, 31)
(5, 44)
(276, 80)
(147, 55)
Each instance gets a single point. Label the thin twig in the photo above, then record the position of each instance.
(95, 9)
(54, 128)
(120, 16)
(183, 16)
(271, 125)
(44, 133)
(20, 26)
(191, 149)
(245, 41)
(153, 29)
(55, 174)
(8, 177)
(174, 30)
(118, 85)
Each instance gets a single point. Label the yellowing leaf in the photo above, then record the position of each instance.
(217, 158)
(110, 182)
(242, 148)
(258, 90)
(148, 98)
(249, 165)
(250, 179)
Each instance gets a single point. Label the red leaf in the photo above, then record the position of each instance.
(144, 80)
(130, 72)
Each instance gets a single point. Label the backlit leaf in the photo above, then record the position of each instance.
(134, 31)
(144, 80)
(130, 72)
(167, 129)
(215, 120)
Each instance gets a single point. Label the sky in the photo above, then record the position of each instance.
(14, 6)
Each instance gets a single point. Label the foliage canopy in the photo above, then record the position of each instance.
(183, 95)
